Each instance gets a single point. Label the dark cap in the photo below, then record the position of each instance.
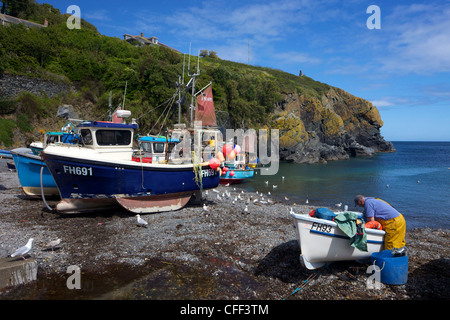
(357, 199)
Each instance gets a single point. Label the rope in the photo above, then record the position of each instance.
(197, 167)
(159, 105)
(42, 191)
(303, 284)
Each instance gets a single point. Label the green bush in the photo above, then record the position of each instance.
(6, 131)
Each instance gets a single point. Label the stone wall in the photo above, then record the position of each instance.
(13, 85)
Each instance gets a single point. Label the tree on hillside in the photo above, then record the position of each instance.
(16, 8)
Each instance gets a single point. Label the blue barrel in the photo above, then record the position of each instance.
(394, 270)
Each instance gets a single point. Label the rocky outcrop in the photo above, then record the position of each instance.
(332, 127)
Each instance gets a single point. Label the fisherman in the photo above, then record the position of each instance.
(392, 221)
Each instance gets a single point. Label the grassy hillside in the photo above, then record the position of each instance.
(96, 64)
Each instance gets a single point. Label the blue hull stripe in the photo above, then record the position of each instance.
(342, 237)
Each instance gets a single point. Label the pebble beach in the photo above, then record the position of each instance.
(222, 253)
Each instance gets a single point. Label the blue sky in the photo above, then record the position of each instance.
(403, 68)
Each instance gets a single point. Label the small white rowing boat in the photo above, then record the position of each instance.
(322, 241)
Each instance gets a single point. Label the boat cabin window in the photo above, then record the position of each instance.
(113, 137)
(147, 147)
(86, 136)
(52, 139)
(158, 147)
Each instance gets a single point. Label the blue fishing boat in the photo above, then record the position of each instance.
(67, 135)
(29, 164)
(154, 149)
(236, 171)
(5, 154)
(28, 167)
(99, 173)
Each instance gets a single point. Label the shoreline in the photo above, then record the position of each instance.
(224, 254)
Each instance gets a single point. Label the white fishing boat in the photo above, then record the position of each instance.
(322, 241)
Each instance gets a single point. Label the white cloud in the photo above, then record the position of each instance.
(226, 27)
(297, 57)
(98, 15)
(419, 39)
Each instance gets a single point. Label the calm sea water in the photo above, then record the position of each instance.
(415, 180)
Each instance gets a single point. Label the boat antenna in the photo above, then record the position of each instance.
(198, 63)
(184, 59)
(189, 62)
(179, 84)
(109, 106)
(124, 94)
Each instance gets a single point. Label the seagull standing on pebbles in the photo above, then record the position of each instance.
(22, 251)
(205, 208)
(52, 244)
(141, 222)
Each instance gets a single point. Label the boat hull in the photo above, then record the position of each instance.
(322, 241)
(240, 175)
(28, 168)
(87, 185)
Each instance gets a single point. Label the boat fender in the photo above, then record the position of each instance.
(312, 212)
(373, 225)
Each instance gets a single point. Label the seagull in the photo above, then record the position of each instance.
(267, 182)
(227, 185)
(206, 192)
(274, 186)
(22, 251)
(268, 193)
(387, 186)
(286, 198)
(339, 204)
(282, 178)
(141, 222)
(216, 191)
(205, 208)
(218, 197)
(246, 209)
(52, 244)
(292, 211)
(306, 201)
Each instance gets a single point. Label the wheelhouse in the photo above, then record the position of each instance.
(98, 134)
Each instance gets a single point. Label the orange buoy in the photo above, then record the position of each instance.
(373, 225)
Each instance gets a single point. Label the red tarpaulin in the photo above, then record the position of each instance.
(205, 108)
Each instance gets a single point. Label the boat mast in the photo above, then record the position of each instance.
(193, 77)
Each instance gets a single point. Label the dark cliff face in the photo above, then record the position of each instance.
(334, 127)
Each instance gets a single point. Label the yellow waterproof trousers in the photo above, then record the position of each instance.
(395, 232)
